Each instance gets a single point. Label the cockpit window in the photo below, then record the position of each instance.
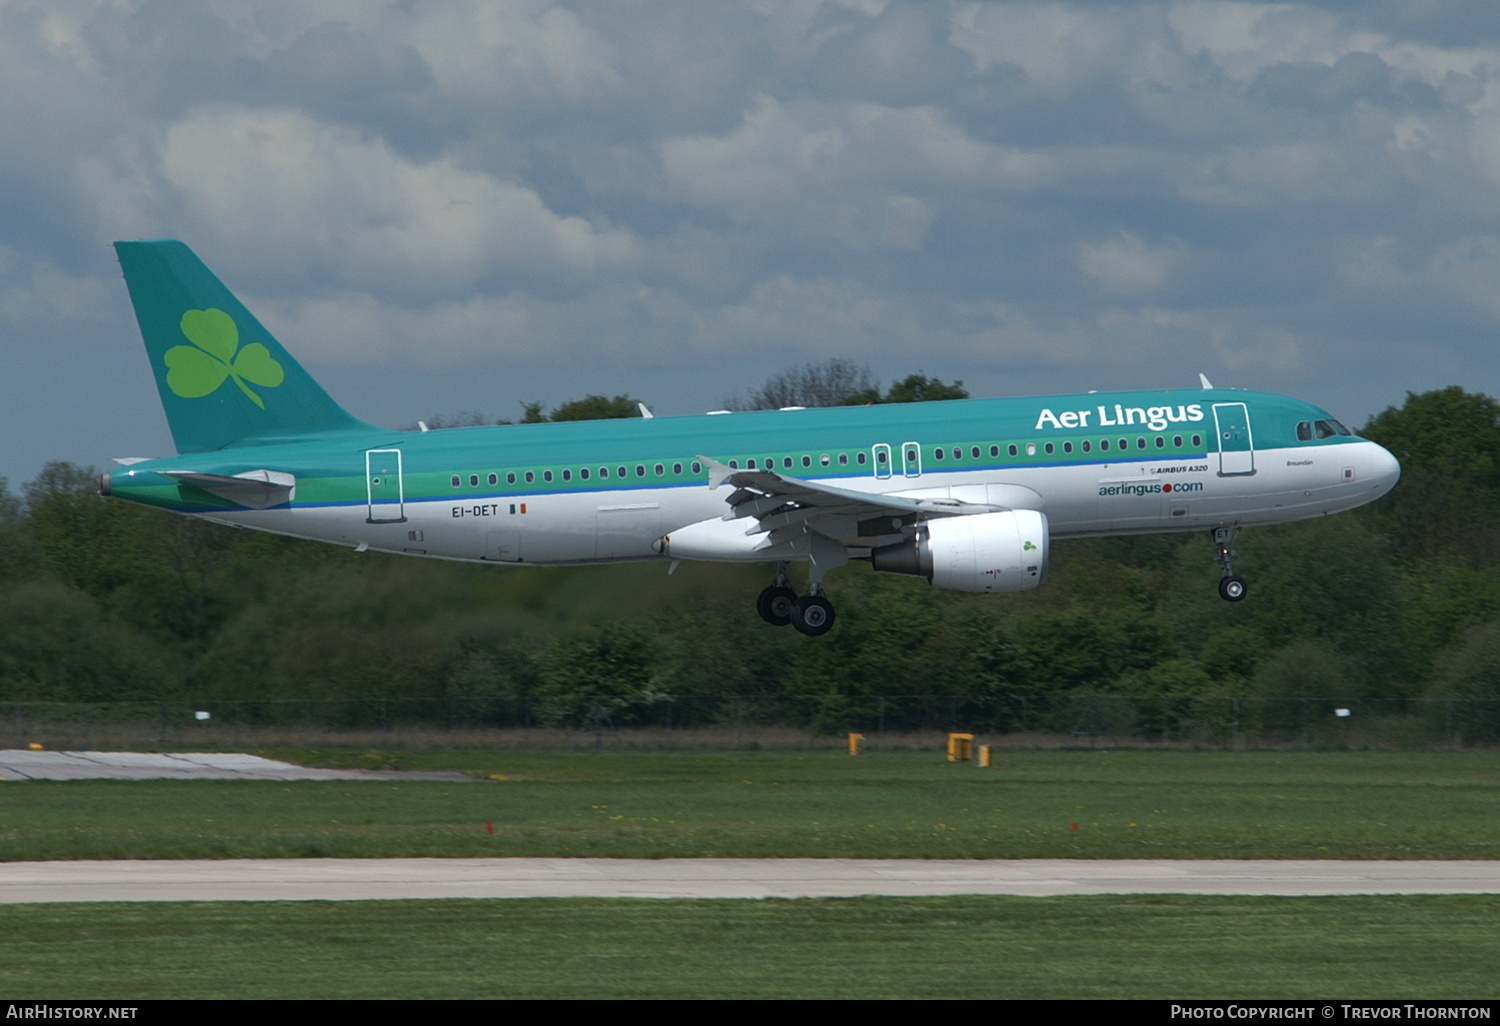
(1304, 431)
(1325, 429)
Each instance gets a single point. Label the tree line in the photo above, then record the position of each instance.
(104, 601)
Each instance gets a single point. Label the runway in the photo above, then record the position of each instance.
(359, 879)
(363, 879)
(24, 764)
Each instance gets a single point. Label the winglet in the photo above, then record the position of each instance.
(718, 473)
(645, 413)
(1203, 379)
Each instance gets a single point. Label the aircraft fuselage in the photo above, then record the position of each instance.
(605, 491)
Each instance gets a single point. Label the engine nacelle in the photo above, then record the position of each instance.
(986, 552)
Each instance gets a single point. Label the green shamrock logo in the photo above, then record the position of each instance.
(215, 354)
(1028, 547)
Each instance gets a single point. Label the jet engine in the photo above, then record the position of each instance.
(986, 552)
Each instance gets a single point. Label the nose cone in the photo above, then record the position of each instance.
(1381, 469)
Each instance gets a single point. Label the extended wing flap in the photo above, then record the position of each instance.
(254, 489)
(778, 503)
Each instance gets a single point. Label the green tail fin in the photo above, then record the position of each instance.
(223, 378)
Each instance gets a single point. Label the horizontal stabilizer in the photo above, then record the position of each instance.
(254, 489)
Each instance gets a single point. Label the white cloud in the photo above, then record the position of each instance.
(1127, 266)
(839, 154)
(362, 215)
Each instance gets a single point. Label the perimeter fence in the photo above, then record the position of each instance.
(1016, 721)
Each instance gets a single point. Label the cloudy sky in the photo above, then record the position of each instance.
(458, 205)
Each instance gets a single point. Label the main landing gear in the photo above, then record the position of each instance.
(779, 605)
(1231, 588)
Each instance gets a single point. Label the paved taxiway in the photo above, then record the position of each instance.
(352, 879)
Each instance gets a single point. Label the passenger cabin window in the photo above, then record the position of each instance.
(1013, 450)
(530, 476)
(510, 478)
(861, 458)
(547, 475)
(457, 480)
(567, 475)
(937, 453)
(494, 479)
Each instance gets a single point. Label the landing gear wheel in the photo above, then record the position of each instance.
(812, 615)
(1232, 589)
(775, 605)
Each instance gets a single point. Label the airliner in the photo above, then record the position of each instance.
(968, 494)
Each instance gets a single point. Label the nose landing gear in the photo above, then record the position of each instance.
(1231, 588)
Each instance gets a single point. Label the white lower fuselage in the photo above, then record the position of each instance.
(1134, 496)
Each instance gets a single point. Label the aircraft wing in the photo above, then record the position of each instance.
(789, 506)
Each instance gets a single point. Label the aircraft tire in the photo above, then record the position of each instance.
(775, 605)
(812, 615)
(1232, 589)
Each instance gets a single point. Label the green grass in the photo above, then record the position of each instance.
(1363, 805)
(970, 947)
(884, 804)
